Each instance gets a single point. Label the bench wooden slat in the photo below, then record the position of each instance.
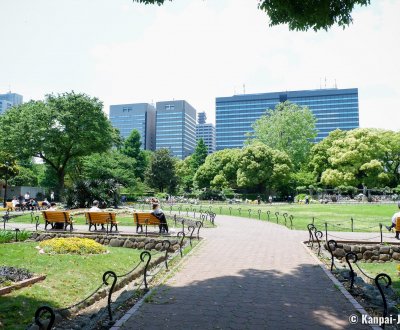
(101, 218)
(51, 217)
(140, 218)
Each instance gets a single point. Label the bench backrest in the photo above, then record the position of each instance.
(398, 224)
(140, 218)
(100, 217)
(9, 205)
(56, 216)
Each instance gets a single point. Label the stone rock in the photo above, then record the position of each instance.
(396, 249)
(347, 248)
(359, 256)
(384, 249)
(375, 253)
(149, 246)
(158, 246)
(175, 247)
(135, 245)
(363, 249)
(114, 242)
(338, 253)
(396, 256)
(128, 244)
(384, 257)
(355, 249)
(374, 258)
(367, 255)
(140, 245)
(132, 239)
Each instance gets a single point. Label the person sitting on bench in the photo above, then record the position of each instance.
(159, 214)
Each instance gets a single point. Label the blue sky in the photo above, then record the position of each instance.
(123, 52)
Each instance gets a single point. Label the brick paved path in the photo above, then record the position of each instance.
(248, 274)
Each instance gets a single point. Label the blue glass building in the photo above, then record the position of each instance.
(205, 131)
(333, 108)
(176, 127)
(140, 116)
(8, 100)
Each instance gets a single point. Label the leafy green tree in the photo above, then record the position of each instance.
(25, 177)
(200, 154)
(185, 173)
(219, 170)
(305, 14)
(131, 148)
(358, 157)
(319, 155)
(161, 173)
(58, 130)
(263, 167)
(110, 165)
(289, 128)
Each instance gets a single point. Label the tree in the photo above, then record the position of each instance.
(262, 167)
(58, 130)
(303, 15)
(109, 165)
(219, 170)
(131, 148)
(289, 128)
(199, 156)
(185, 173)
(358, 157)
(161, 173)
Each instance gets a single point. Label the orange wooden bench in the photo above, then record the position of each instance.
(145, 218)
(52, 217)
(101, 218)
(397, 228)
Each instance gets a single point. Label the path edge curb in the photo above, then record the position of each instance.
(339, 285)
(120, 322)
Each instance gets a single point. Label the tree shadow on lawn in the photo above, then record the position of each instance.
(301, 298)
(17, 312)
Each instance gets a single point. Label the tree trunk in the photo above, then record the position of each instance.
(60, 189)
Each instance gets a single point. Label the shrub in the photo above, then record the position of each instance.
(9, 236)
(72, 245)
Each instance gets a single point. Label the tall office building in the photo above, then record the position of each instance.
(333, 108)
(8, 100)
(140, 116)
(176, 127)
(205, 131)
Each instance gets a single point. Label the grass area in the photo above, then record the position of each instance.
(389, 268)
(70, 278)
(366, 217)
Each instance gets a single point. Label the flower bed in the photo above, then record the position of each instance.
(72, 245)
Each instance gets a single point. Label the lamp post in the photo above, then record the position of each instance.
(5, 188)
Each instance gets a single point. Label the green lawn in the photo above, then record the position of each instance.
(70, 278)
(366, 217)
(389, 268)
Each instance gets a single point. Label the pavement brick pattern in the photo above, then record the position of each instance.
(248, 274)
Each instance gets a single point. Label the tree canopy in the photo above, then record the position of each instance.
(304, 14)
(289, 128)
(131, 148)
(262, 167)
(161, 173)
(58, 130)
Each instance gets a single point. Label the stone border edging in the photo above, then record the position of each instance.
(340, 286)
(21, 284)
(119, 323)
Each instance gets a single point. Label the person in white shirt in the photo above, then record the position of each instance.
(95, 207)
(15, 202)
(27, 197)
(394, 219)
